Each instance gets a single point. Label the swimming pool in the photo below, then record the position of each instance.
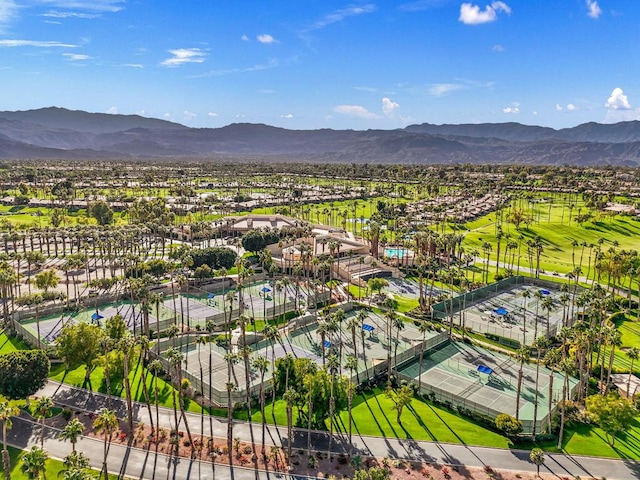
(395, 252)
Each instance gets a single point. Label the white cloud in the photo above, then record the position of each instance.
(472, 14)
(535, 112)
(113, 111)
(266, 38)
(388, 107)
(92, 5)
(132, 65)
(59, 14)
(340, 15)
(167, 115)
(184, 55)
(355, 111)
(76, 57)
(440, 89)
(287, 116)
(571, 107)
(559, 107)
(187, 115)
(244, 38)
(513, 110)
(212, 114)
(8, 10)
(618, 100)
(498, 48)
(35, 43)
(594, 9)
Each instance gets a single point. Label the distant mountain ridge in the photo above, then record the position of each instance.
(60, 133)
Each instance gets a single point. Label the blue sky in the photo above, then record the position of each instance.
(326, 64)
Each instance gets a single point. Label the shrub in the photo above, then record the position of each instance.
(67, 414)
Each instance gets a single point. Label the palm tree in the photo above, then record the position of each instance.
(522, 355)
(74, 466)
(552, 360)
(333, 365)
(7, 410)
(351, 365)
(261, 364)
(43, 407)
(353, 324)
(155, 367)
(633, 353)
(72, 431)
(126, 345)
(539, 344)
(537, 457)
(107, 423)
(290, 397)
(175, 359)
(33, 462)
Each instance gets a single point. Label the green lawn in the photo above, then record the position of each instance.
(591, 440)
(53, 467)
(76, 378)
(557, 235)
(373, 416)
(8, 344)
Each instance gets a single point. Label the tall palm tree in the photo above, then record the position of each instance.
(125, 345)
(351, 365)
(290, 397)
(523, 356)
(540, 344)
(261, 364)
(333, 364)
(175, 358)
(43, 407)
(107, 423)
(155, 367)
(72, 431)
(633, 353)
(7, 410)
(551, 360)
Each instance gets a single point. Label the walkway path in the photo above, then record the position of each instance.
(138, 463)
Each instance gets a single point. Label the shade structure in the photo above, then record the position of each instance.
(501, 311)
(485, 369)
(327, 344)
(368, 328)
(96, 316)
(211, 295)
(545, 292)
(266, 289)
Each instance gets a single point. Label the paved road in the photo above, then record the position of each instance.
(138, 464)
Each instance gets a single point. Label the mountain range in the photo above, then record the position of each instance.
(58, 133)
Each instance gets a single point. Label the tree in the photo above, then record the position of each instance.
(43, 407)
(537, 458)
(33, 462)
(376, 284)
(46, 279)
(508, 425)
(633, 353)
(401, 398)
(79, 344)
(23, 373)
(290, 396)
(72, 431)
(7, 410)
(612, 413)
(102, 212)
(75, 467)
(107, 423)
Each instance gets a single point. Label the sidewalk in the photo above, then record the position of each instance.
(559, 464)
